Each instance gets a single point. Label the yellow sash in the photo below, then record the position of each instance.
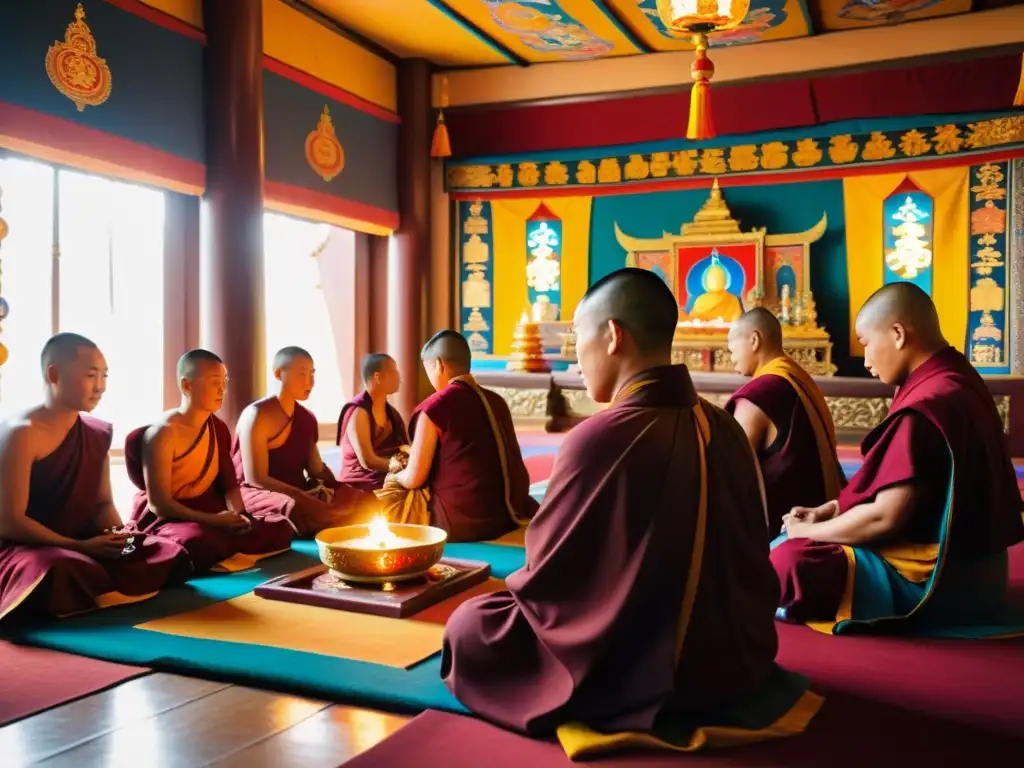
(193, 472)
(817, 413)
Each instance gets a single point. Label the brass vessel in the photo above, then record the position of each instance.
(419, 548)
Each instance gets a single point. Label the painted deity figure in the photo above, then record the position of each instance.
(543, 271)
(716, 303)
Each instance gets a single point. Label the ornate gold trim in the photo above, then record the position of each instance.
(324, 152)
(74, 68)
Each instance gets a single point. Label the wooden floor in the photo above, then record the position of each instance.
(163, 721)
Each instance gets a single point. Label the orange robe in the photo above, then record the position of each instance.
(200, 478)
(62, 496)
(289, 452)
(479, 485)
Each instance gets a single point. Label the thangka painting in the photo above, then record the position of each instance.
(988, 326)
(714, 280)
(476, 295)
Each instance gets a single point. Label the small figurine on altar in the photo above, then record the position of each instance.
(785, 307)
(543, 310)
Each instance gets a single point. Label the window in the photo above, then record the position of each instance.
(103, 280)
(296, 309)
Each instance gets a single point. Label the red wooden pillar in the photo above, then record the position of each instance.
(409, 254)
(232, 324)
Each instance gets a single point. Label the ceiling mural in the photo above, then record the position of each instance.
(852, 14)
(473, 33)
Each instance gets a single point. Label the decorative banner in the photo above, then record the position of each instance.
(987, 326)
(907, 222)
(476, 246)
(544, 264)
(74, 68)
(845, 150)
(324, 152)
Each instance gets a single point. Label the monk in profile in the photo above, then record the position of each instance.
(276, 456)
(646, 606)
(188, 491)
(464, 450)
(921, 531)
(370, 430)
(785, 417)
(62, 546)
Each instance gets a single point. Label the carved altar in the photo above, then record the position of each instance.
(716, 271)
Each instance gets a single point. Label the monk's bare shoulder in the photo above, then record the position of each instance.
(23, 432)
(163, 432)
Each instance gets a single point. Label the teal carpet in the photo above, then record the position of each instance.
(111, 635)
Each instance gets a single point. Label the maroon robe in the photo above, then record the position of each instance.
(287, 464)
(943, 409)
(588, 628)
(791, 465)
(467, 489)
(63, 493)
(207, 545)
(352, 472)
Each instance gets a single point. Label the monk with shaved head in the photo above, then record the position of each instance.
(646, 606)
(277, 459)
(63, 548)
(188, 491)
(917, 541)
(464, 463)
(370, 431)
(785, 417)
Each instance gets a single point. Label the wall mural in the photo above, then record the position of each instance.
(763, 16)
(987, 327)
(544, 26)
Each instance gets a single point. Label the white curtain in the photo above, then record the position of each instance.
(296, 311)
(26, 257)
(110, 287)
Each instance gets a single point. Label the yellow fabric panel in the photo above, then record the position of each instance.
(295, 39)
(250, 619)
(579, 741)
(189, 11)
(508, 220)
(863, 198)
(535, 19)
(413, 28)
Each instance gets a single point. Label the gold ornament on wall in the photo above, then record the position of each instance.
(324, 152)
(74, 68)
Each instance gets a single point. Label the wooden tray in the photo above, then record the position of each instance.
(316, 586)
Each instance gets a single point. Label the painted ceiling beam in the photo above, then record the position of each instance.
(832, 51)
(479, 33)
(623, 27)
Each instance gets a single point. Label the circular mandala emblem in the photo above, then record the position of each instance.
(324, 152)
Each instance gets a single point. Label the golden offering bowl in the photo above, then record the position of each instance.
(380, 552)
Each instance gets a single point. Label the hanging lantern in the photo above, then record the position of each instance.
(441, 145)
(698, 18)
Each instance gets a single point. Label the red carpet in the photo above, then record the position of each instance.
(34, 679)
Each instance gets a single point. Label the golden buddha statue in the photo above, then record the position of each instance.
(716, 303)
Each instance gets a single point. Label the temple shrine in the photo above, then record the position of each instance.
(336, 182)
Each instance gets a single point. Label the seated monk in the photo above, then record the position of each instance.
(464, 449)
(646, 607)
(188, 491)
(785, 417)
(921, 531)
(62, 546)
(276, 456)
(370, 430)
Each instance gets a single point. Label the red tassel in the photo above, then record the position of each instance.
(441, 145)
(1018, 100)
(701, 124)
